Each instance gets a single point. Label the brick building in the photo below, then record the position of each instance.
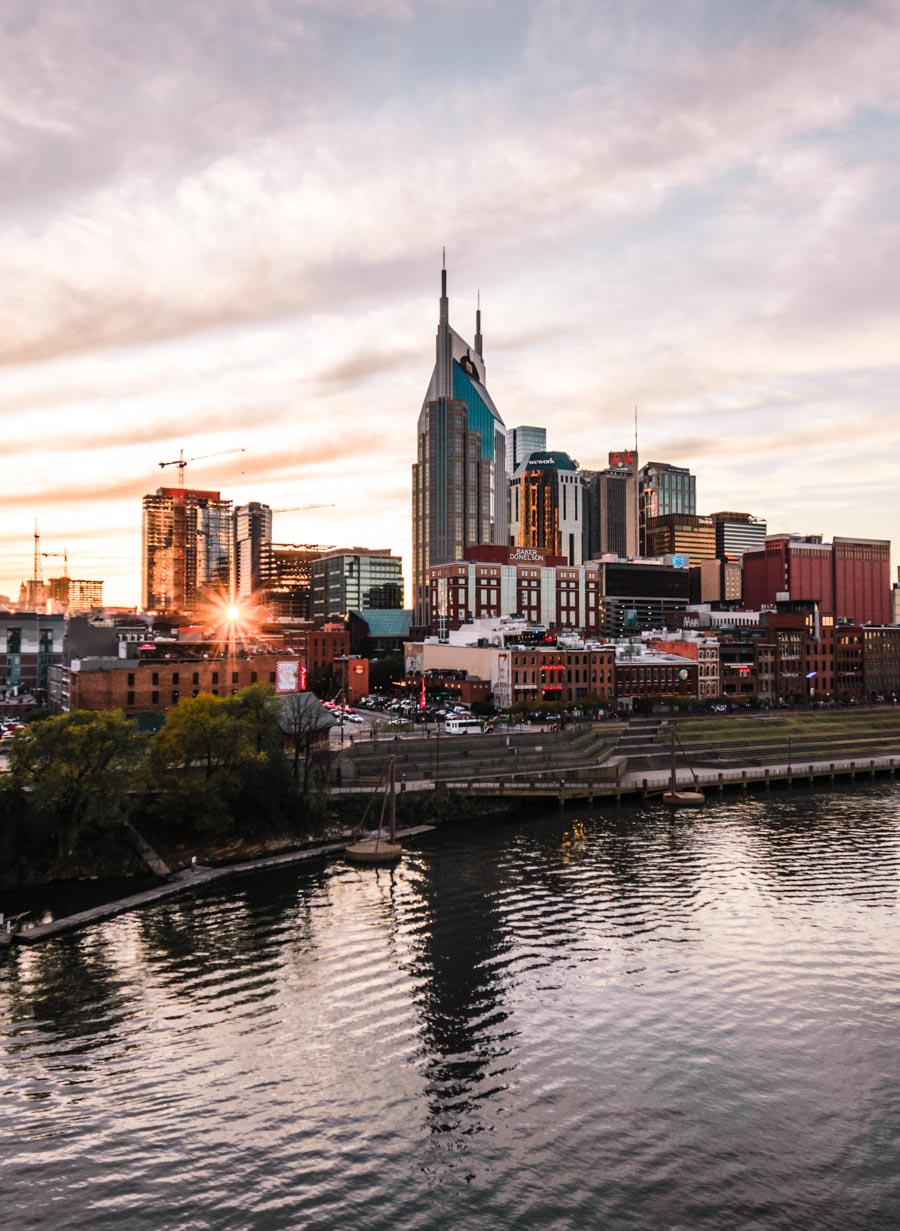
(601, 599)
(154, 685)
(849, 578)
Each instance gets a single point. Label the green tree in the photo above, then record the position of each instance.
(219, 759)
(77, 772)
(203, 735)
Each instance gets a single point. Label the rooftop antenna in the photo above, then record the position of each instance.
(637, 487)
(38, 576)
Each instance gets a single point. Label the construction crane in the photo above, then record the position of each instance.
(306, 546)
(181, 461)
(297, 508)
(65, 558)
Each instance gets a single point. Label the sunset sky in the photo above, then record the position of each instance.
(221, 227)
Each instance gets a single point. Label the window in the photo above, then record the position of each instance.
(174, 677)
(252, 677)
(215, 680)
(154, 698)
(129, 697)
(271, 677)
(196, 679)
(130, 681)
(234, 677)
(155, 679)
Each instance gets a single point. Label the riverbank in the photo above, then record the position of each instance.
(187, 880)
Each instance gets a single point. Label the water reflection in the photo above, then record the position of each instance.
(619, 1019)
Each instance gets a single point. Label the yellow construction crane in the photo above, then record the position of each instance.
(181, 461)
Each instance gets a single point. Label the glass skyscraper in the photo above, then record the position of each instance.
(459, 476)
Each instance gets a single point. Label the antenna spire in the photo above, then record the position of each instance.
(479, 347)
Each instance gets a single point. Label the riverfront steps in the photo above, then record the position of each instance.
(183, 882)
(646, 784)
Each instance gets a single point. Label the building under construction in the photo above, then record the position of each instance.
(186, 548)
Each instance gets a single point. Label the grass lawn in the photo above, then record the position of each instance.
(754, 725)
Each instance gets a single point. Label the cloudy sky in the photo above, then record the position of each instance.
(221, 227)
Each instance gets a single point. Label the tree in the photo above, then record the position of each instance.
(76, 771)
(201, 734)
(217, 759)
(304, 723)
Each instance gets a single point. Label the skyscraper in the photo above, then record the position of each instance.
(521, 442)
(611, 507)
(665, 489)
(459, 477)
(252, 546)
(546, 506)
(186, 547)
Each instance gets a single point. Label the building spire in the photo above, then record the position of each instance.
(444, 356)
(479, 346)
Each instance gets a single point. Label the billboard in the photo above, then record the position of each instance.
(290, 675)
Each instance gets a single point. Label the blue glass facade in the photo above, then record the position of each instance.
(480, 418)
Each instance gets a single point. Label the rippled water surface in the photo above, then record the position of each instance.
(607, 1021)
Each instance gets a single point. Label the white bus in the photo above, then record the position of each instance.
(463, 724)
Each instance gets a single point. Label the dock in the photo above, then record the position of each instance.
(186, 881)
(579, 787)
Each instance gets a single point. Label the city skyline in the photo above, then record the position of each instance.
(234, 242)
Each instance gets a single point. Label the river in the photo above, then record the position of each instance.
(615, 1020)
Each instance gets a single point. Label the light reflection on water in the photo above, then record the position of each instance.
(613, 1021)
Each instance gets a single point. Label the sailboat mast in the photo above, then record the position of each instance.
(393, 799)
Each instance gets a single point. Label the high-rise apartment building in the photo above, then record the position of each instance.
(355, 579)
(186, 548)
(546, 506)
(521, 442)
(75, 595)
(252, 546)
(459, 476)
(665, 489)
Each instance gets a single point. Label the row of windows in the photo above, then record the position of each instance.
(235, 679)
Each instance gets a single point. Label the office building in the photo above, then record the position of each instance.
(849, 578)
(681, 534)
(355, 579)
(546, 506)
(737, 533)
(664, 489)
(521, 442)
(611, 507)
(252, 546)
(459, 476)
(186, 548)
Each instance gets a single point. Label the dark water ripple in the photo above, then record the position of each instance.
(614, 1021)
